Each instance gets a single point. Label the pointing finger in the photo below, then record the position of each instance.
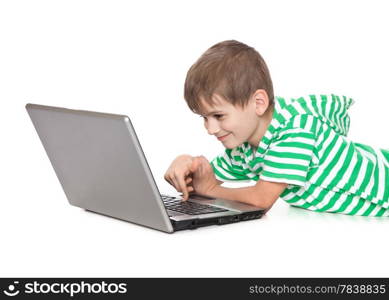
(181, 182)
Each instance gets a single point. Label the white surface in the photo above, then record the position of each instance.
(127, 58)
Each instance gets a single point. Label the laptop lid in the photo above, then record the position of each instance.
(99, 165)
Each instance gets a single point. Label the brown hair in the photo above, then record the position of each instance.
(230, 69)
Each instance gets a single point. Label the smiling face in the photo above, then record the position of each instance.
(234, 125)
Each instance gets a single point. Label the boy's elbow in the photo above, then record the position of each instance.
(265, 194)
(267, 208)
(262, 204)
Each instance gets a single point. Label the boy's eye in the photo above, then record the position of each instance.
(216, 116)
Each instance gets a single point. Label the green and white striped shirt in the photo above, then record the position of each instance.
(306, 146)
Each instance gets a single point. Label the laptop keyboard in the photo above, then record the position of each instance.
(190, 208)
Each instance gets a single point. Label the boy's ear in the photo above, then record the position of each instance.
(261, 102)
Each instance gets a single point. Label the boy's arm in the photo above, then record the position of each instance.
(262, 195)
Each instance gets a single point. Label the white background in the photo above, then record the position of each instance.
(131, 58)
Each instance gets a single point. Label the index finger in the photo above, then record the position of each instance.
(182, 184)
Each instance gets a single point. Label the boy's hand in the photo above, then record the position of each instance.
(186, 170)
(204, 180)
(179, 174)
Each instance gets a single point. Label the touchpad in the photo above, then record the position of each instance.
(200, 197)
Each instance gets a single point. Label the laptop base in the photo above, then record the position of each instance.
(196, 223)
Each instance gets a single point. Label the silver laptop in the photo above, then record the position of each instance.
(102, 168)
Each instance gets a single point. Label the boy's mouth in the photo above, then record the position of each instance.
(221, 138)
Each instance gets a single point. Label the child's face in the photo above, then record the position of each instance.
(233, 125)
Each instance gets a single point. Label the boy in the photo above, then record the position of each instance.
(295, 149)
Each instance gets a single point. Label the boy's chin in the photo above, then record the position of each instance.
(231, 145)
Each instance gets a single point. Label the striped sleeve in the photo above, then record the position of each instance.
(289, 157)
(228, 166)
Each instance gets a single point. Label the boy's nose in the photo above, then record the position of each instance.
(212, 127)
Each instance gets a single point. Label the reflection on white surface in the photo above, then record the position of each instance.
(300, 213)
